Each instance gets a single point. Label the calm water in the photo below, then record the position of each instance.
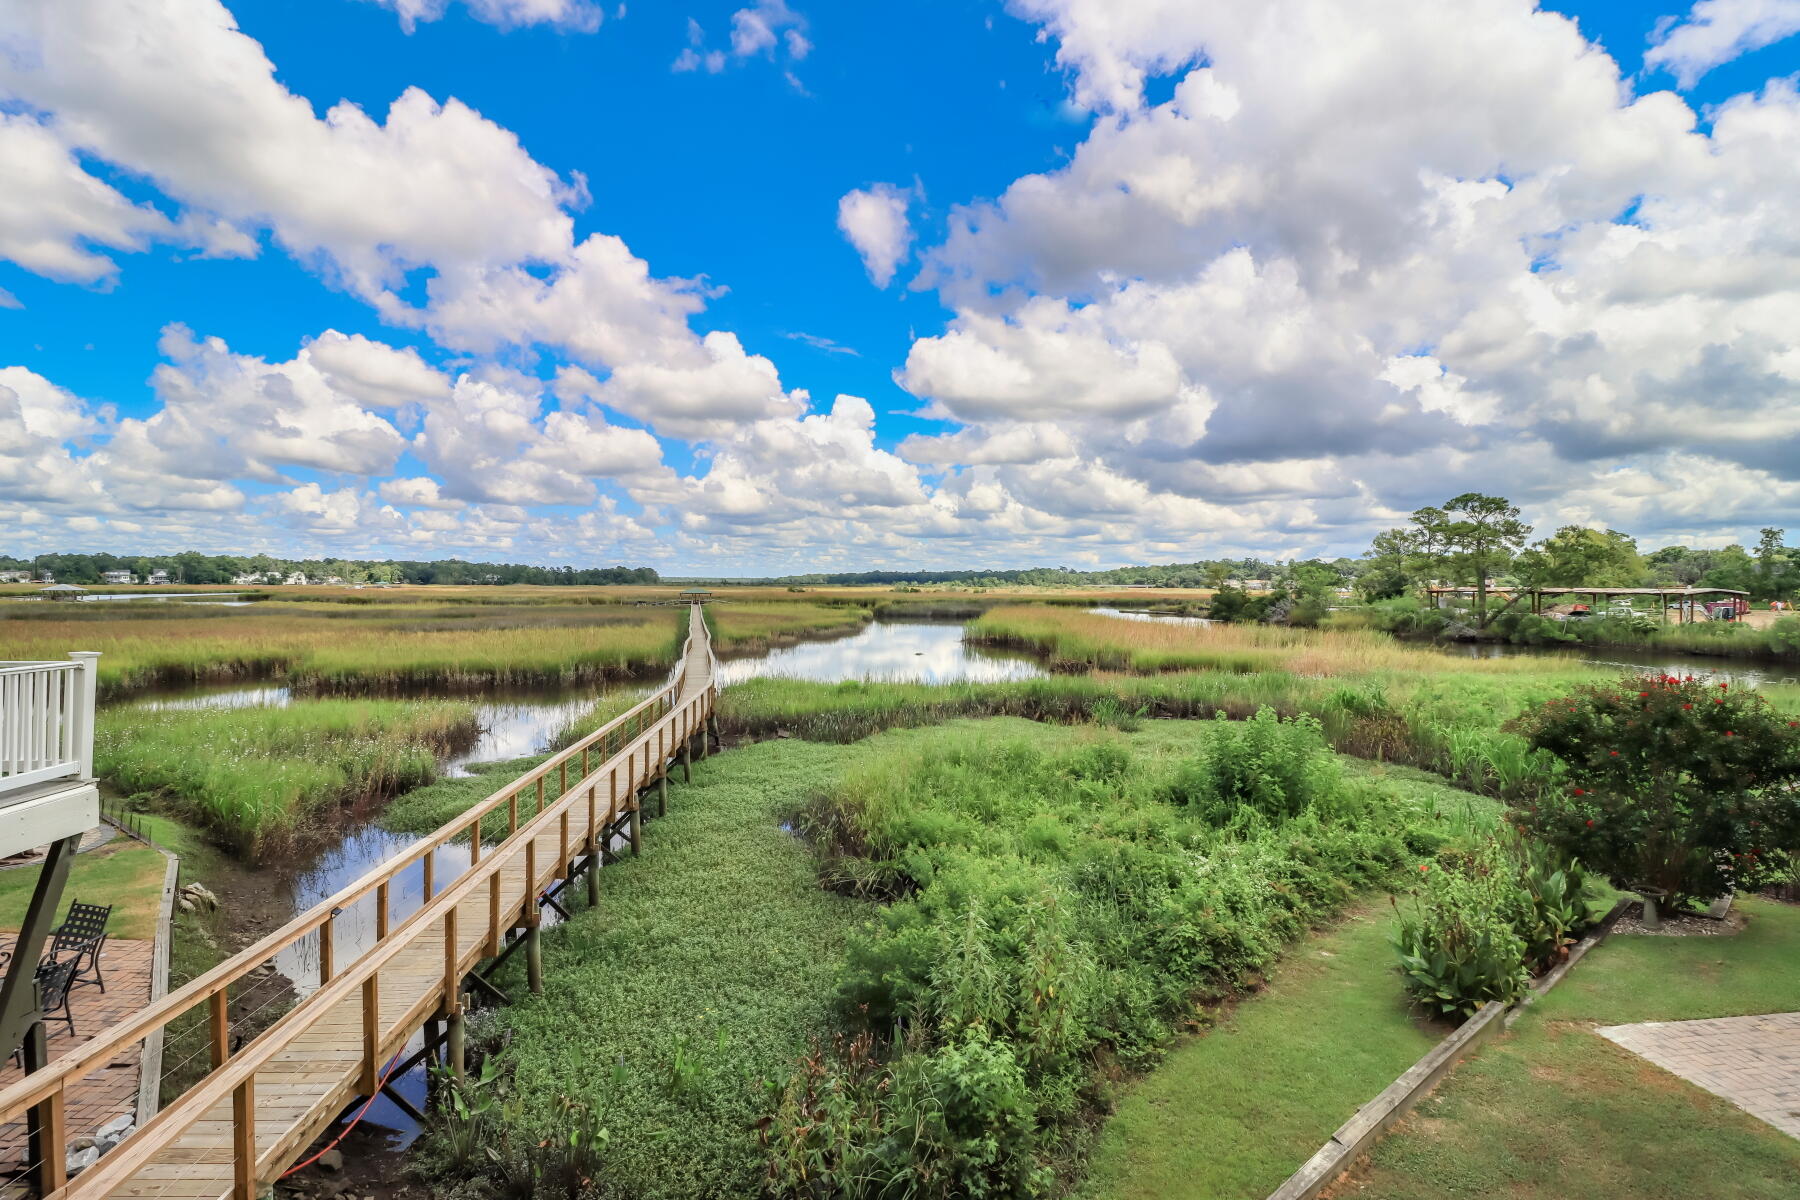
(1724, 670)
(913, 651)
(1127, 614)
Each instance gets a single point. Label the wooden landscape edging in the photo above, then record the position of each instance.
(150, 1066)
(1397, 1099)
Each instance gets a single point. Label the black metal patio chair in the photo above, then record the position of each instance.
(79, 940)
(54, 980)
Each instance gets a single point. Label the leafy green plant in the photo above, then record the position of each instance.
(462, 1123)
(1483, 922)
(1456, 947)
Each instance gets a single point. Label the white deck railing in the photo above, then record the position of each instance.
(46, 721)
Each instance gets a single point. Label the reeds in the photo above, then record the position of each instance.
(381, 648)
(1075, 640)
(747, 627)
(253, 776)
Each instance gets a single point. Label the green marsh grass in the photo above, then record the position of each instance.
(254, 776)
(324, 648)
(750, 626)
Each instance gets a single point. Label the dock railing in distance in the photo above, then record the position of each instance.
(582, 813)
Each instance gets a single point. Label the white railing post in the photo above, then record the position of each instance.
(81, 720)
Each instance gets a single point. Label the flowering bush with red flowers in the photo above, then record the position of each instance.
(1681, 785)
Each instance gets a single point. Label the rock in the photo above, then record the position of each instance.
(331, 1160)
(185, 905)
(81, 1160)
(114, 1131)
(201, 895)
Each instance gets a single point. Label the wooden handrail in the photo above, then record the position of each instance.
(237, 1077)
(95, 1053)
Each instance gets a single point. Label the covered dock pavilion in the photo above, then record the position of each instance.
(1684, 599)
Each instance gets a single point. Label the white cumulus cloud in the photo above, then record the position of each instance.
(875, 221)
(1716, 31)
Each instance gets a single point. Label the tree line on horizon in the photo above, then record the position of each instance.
(1470, 540)
(192, 567)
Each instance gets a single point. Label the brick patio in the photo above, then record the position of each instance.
(107, 1093)
(1754, 1062)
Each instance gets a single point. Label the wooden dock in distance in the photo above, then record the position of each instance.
(249, 1120)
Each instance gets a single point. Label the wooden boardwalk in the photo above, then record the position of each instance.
(262, 1106)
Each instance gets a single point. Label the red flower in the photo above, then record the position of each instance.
(1424, 867)
(1643, 695)
(1724, 686)
(1613, 753)
(1579, 792)
(1687, 706)
(1728, 733)
(1590, 823)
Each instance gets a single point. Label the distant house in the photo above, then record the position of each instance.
(295, 579)
(248, 579)
(158, 576)
(15, 576)
(334, 580)
(116, 577)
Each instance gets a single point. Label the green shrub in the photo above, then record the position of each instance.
(1275, 768)
(955, 1122)
(1675, 785)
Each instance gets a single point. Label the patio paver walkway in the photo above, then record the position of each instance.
(1754, 1062)
(106, 1094)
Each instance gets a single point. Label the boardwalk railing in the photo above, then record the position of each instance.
(46, 722)
(261, 1104)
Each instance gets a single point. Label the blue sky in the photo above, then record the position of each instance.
(1132, 321)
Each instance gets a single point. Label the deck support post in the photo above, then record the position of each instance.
(662, 793)
(534, 959)
(454, 1050)
(637, 827)
(46, 1128)
(593, 879)
(687, 761)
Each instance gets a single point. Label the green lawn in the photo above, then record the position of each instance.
(1553, 1110)
(125, 874)
(1233, 1112)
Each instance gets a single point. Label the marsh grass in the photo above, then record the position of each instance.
(253, 777)
(377, 648)
(751, 626)
(1449, 723)
(1078, 641)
